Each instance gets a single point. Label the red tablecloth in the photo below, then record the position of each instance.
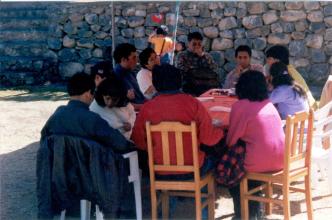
(218, 106)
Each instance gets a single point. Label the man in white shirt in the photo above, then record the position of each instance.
(148, 59)
(242, 56)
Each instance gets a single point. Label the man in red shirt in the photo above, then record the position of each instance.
(170, 104)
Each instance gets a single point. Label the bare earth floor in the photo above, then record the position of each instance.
(22, 115)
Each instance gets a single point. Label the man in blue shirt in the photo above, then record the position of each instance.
(125, 57)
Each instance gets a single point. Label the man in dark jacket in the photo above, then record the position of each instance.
(76, 120)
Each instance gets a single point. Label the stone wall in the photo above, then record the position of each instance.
(79, 34)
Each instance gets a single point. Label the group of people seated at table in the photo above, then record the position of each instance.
(163, 92)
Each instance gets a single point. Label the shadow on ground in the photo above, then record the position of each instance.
(34, 93)
(18, 192)
(18, 183)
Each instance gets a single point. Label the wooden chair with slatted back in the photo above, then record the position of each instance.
(187, 188)
(297, 164)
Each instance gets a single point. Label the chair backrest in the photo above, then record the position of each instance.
(326, 95)
(165, 129)
(324, 111)
(322, 124)
(299, 130)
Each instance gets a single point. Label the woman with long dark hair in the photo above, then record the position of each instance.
(112, 104)
(287, 96)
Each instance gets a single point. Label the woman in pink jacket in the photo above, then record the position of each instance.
(255, 121)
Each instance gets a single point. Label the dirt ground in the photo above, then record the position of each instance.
(23, 114)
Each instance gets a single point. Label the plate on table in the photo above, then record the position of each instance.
(220, 109)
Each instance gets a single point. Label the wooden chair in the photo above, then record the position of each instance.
(297, 164)
(187, 188)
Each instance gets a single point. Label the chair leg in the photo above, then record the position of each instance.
(138, 199)
(154, 204)
(244, 200)
(135, 178)
(308, 196)
(286, 205)
(268, 194)
(314, 175)
(211, 197)
(165, 204)
(329, 170)
(99, 214)
(198, 202)
(85, 209)
(63, 215)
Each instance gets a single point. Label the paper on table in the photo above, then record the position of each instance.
(205, 99)
(220, 109)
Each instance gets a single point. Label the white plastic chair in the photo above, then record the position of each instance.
(322, 158)
(134, 177)
(85, 211)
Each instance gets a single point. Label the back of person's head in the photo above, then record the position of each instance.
(252, 86)
(166, 77)
(145, 55)
(162, 30)
(103, 69)
(278, 52)
(114, 88)
(80, 83)
(195, 35)
(280, 77)
(243, 48)
(123, 51)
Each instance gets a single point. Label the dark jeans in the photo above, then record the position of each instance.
(208, 165)
(255, 208)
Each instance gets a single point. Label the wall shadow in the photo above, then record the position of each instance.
(34, 93)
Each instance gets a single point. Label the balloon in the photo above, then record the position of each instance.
(157, 18)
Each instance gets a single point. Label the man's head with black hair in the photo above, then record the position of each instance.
(166, 77)
(195, 43)
(243, 55)
(125, 55)
(277, 53)
(195, 36)
(162, 30)
(81, 87)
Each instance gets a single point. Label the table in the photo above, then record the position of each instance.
(218, 106)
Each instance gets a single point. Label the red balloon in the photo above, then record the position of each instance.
(157, 18)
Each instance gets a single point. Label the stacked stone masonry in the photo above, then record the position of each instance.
(51, 41)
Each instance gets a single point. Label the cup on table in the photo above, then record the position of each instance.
(216, 122)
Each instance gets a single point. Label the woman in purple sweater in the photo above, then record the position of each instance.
(255, 120)
(287, 96)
